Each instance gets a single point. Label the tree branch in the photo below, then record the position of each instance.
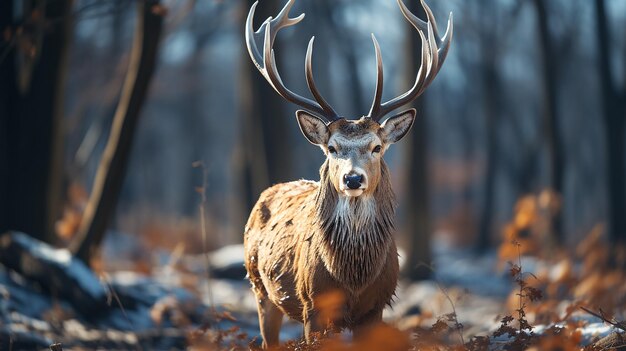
(612, 321)
(110, 175)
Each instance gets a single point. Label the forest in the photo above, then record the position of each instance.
(136, 137)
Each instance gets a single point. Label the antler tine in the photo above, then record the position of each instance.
(420, 79)
(282, 20)
(433, 67)
(308, 71)
(434, 52)
(378, 94)
(266, 62)
(423, 25)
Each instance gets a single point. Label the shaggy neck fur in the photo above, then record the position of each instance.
(357, 232)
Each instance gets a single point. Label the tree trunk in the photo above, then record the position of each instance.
(344, 41)
(250, 159)
(418, 225)
(31, 105)
(418, 211)
(550, 115)
(614, 128)
(110, 175)
(7, 99)
(268, 108)
(266, 157)
(491, 99)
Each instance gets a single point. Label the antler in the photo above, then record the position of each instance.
(434, 52)
(266, 62)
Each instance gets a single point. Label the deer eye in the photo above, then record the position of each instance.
(377, 149)
(332, 149)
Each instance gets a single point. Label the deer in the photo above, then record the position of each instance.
(306, 239)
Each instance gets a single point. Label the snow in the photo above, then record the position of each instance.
(227, 256)
(596, 329)
(63, 258)
(463, 268)
(472, 286)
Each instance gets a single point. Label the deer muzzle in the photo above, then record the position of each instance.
(353, 183)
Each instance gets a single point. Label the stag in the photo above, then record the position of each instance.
(306, 239)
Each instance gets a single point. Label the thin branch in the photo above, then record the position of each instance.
(617, 324)
(112, 294)
(204, 229)
(458, 326)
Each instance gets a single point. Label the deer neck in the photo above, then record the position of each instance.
(356, 232)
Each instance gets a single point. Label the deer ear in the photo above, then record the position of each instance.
(396, 127)
(313, 128)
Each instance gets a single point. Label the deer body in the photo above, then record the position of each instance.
(292, 259)
(306, 240)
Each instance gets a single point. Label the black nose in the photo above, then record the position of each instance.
(353, 181)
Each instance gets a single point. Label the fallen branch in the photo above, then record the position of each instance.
(54, 270)
(613, 341)
(617, 324)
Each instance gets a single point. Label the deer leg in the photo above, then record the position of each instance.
(270, 321)
(368, 321)
(312, 324)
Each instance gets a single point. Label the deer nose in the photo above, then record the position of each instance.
(353, 180)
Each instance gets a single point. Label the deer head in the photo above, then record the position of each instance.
(353, 147)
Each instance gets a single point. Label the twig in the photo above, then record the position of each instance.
(612, 321)
(521, 288)
(457, 325)
(111, 292)
(203, 223)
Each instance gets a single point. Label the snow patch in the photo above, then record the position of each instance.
(63, 258)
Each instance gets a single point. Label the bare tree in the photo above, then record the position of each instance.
(614, 112)
(110, 175)
(490, 41)
(418, 226)
(265, 153)
(7, 88)
(268, 109)
(32, 70)
(553, 136)
(344, 42)
(491, 99)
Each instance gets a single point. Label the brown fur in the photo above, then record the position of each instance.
(300, 246)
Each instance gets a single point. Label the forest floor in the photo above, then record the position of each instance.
(472, 303)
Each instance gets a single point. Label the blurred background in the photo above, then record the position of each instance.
(138, 134)
(521, 134)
